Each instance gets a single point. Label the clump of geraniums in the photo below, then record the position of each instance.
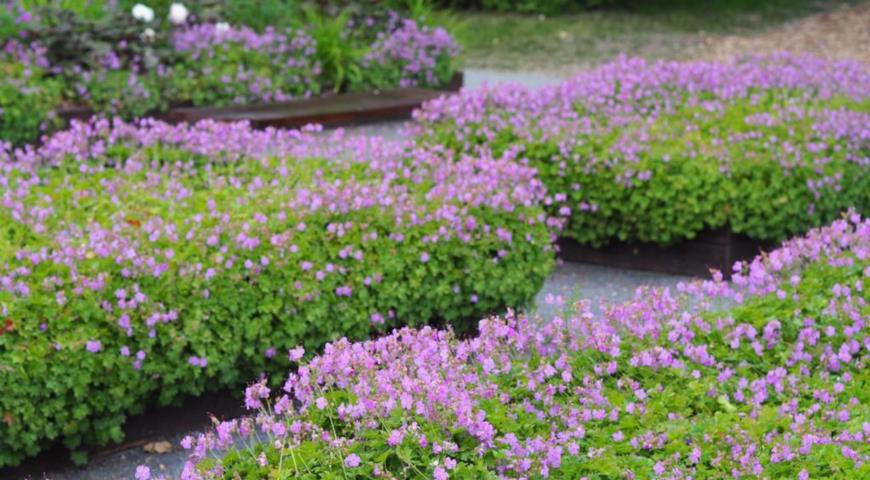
(410, 54)
(147, 262)
(657, 152)
(764, 377)
(222, 64)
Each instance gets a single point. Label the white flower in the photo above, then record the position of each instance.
(143, 12)
(178, 13)
(222, 27)
(148, 34)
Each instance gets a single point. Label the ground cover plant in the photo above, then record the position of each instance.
(657, 152)
(141, 263)
(129, 62)
(762, 377)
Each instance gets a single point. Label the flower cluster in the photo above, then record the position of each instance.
(764, 377)
(223, 64)
(417, 55)
(149, 261)
(656, 152)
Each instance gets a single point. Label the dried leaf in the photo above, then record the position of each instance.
(159, 447)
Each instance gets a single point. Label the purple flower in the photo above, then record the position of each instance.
(200, 362)
(143, 473)
(255, 394)
(296, 354)
(352, 461)
(94, 346)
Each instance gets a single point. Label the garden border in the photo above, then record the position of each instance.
(711, 249)
(338, 110)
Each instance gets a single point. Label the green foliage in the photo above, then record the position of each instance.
(91, 9)
(338, 55)
(259, 14)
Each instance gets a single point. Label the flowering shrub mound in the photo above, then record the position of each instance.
(223, 65)
(633, 151)
(409, 54)
(135, 62)
(765, 377)
(146, 262)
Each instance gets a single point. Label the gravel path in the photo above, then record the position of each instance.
(843, 34)
(122, 465)
(581, 281)
(474, 78)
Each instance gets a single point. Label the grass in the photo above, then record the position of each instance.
(650, 28)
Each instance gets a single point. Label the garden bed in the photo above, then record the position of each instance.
(115, 61)
(709, 250)
(634, 152)
(146, 263)
(761, 377)
(346, 109)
